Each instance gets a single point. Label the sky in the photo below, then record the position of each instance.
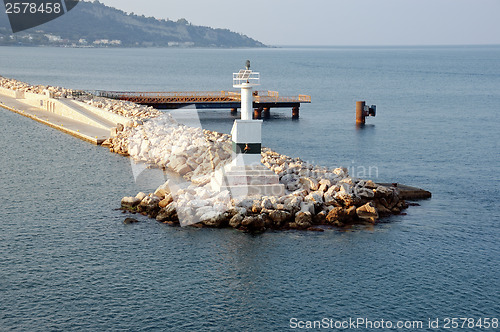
(337, 22)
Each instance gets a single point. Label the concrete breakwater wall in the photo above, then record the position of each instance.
(72, 111)
(12, 93)
(65, 107)
(101, 106)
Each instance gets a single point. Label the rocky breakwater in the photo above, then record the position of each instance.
(121, 107)
(191, 153)
(55, 91)
(315, 196)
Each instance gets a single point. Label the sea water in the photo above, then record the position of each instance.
(67, 261)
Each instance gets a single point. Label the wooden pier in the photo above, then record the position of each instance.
(262, 104)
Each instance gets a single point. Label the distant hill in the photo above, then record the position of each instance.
(97, 25)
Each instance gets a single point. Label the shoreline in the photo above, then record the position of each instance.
(315, 196)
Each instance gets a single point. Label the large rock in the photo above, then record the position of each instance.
(336, 215)
(382, 191)
(236, 220)
(329, 200)
(140, 196)
(291, 182)
(300, 193)
(253, 223)
(292, 204)
(345, 199)
(350, 214)
(368, 212)
(320, 218)
(307, 207)
(130, 202)
(129, 221)
(166, 201)
(287, 178)
(164, 188)
(150, 201)
(183, 169)
(324, 185)
(176, 162)
(246, 203)
(268, 222)
(370, 184)
(382, 210)
(161, 193)
(215, 220)
(267, 203)
(365, 193)
(345, 188)
(309, 183)
(168, 213)
(315, 197)
(340, 216)
(329, 195)
(257, 206)
(341, 172)
(303, 220)
(293, 185)
(279, 217)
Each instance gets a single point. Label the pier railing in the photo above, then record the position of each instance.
(199, 96)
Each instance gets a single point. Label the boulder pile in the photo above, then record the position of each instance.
(55, 91)
(123, 108)
(314, 195)
(191, 152)
(301, 209)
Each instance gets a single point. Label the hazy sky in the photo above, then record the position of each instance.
(337, 22)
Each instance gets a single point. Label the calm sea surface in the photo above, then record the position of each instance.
(67, 261)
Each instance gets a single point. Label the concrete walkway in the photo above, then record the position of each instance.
(102, 122)
(95, 135)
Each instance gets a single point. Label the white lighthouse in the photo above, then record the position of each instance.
(245, 175)
(246, 133)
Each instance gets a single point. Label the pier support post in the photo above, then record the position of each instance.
(295, 112)
(257, 113)
(360, 112)
(267, 113)
(234, 111)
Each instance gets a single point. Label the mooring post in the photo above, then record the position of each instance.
(295, 112)
(234, 111)
(267, 113)
(360, 112)
(257, 113)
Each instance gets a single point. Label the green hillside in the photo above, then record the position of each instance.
(95, 24)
